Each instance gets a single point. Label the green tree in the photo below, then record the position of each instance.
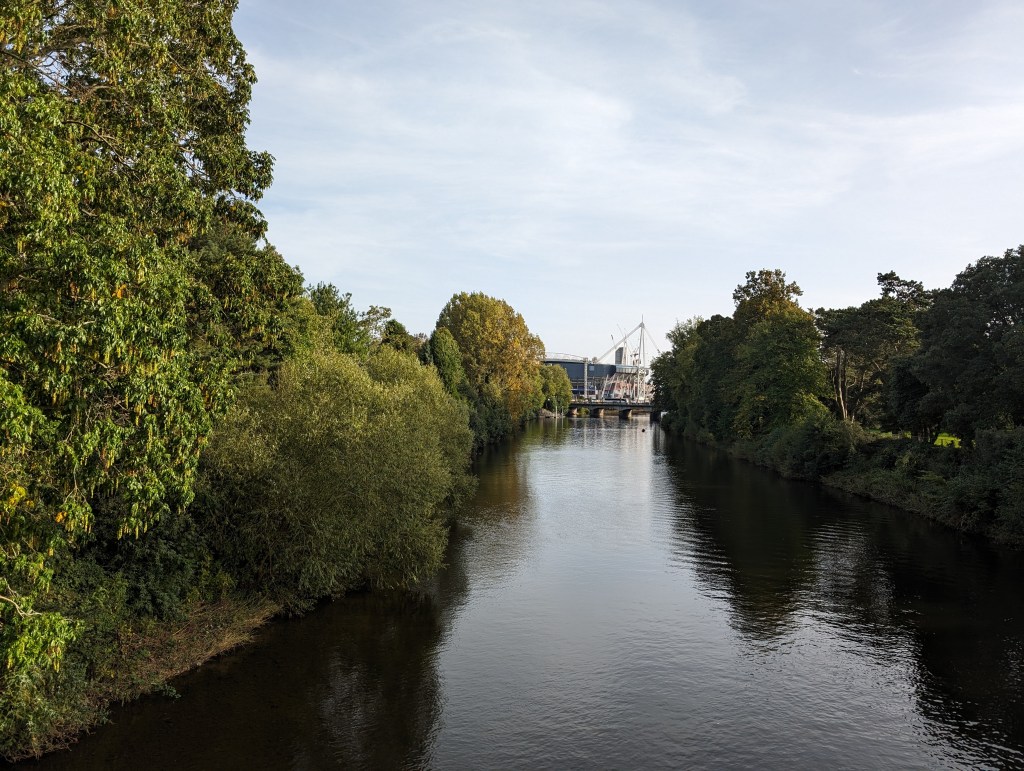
(445, 355)
(764, 293)
(344, 474)
(396, 336)
(555, 388)
(860, 345)
(500, 357)
(713, 398)
(673, 372)
(779, 375)
(122, 139)
(972, 348)
(352, 331)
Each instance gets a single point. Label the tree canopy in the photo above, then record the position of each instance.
(500, 357)
(123, 314)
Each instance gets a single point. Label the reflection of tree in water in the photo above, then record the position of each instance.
(380, 700)
(960, 599)
(945, 607)
(760, 560)
(500, 482)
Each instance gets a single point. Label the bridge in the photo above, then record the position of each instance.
(623, 387)
(598, 408)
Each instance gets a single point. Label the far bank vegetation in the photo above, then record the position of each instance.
(914, 398)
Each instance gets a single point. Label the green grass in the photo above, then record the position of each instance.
(945, 440)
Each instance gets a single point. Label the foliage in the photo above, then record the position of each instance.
(972, 350)
(125, 301)
(396, 336)
(778, 374)
(988, 493)
(764, 293)
(500, 358)
(340, 475)
(555, 387)
(745, 376)
(351, 331)
(862, 343)
(445, 355)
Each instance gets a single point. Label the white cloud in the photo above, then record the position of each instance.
(533, 150)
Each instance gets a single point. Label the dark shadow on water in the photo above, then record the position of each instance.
(896, 584)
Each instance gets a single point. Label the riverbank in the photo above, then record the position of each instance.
(148, 656)
(976, 489)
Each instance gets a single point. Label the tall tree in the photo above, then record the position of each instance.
(861, 343)
(500, 357)
(777, 377)
(555, 387)
(122, 134)
(764, 293)
(972, 347)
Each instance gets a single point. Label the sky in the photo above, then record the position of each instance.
(598, 162)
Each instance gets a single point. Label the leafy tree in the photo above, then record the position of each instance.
(860, 344)
(764, 293)
(555, 387)
(712, 390)
(352, 331)
(447, 358)
(396, 336)
(500, 357)
(122, 138)
(343, 474)
(972, 347)
(672, 372)
(779, 375)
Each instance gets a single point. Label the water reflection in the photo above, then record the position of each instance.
(352, 685)
(942, 607)
(740, 546)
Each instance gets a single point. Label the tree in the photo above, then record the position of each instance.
(765, 292)
(779, 375)
(396, 336)
(972, 347)
(447, 358)
(500, 357)
(352, 331)
(122, 134)
(344, 474)
(673, 372)
(860, 344)
(555, 387)
(712, 391)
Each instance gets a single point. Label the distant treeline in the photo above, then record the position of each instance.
(190, 440)
(915, 397)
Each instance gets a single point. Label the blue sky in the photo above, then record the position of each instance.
(592, 162)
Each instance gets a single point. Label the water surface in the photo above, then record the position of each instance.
(615, 599)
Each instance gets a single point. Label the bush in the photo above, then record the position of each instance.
(340, 476)
(811, 448)
(988, 493)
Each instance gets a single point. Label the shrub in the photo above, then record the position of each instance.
(341, 475)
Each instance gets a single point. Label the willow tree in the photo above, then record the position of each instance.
(500, 357)
(122, 142)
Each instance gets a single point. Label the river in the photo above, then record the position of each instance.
(615, 598)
